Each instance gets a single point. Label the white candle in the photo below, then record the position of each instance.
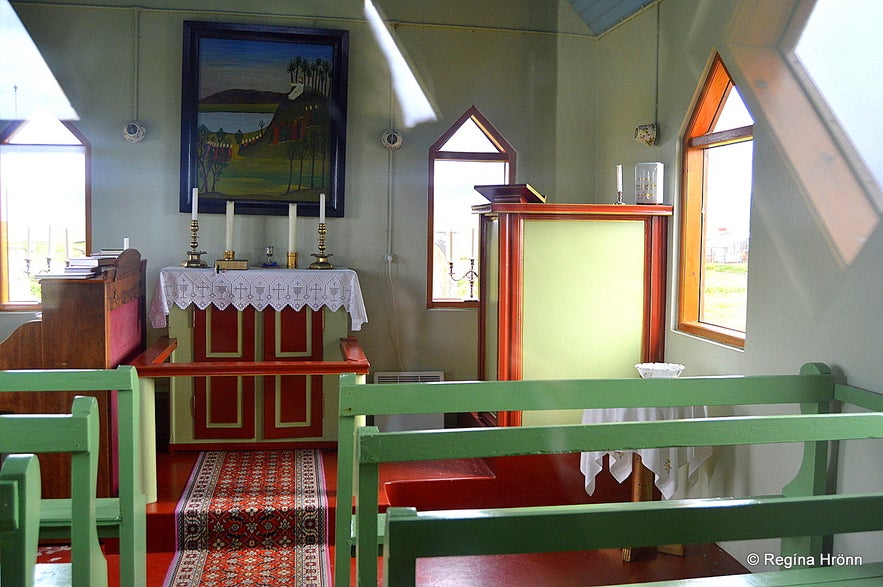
(321, 208)
(194, 204)
(49, 243)
(292, 228)
(472, 238)
(450, 247)
(619, 178)
(125, 243)
(67, 244)
(28, 252)
(228, 236)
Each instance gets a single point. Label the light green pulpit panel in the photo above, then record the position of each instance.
(583, 299)
(583, 303)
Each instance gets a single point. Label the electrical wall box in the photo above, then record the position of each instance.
(648, 183)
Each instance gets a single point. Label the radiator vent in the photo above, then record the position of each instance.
(408, 376)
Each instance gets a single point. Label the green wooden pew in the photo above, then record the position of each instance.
(814, 390)
(19, 518)
(75, 433)
(122, 517)
(411, 535)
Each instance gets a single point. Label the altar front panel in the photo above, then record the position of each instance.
(292, 403)
(290, 409)
(223, 407)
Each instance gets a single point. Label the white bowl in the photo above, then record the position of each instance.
(659, 370)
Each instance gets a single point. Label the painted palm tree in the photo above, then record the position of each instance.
(324, 68)
(295, 66)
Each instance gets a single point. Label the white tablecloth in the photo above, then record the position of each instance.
(664, 462)
(259, 288)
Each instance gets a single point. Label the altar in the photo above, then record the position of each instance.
(260, 314)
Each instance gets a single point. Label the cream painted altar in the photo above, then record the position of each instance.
(255, 315)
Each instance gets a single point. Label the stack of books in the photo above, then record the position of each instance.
(83, 267)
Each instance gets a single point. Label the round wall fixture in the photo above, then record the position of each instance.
(134, 132)
(391, 139)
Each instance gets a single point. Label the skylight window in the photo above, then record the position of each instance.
(839, 55)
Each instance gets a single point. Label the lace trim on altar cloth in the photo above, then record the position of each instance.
(259, 288)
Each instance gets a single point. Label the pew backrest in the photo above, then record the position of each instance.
(124, 516)
(77, 434)
(19, 518)
(411, 535)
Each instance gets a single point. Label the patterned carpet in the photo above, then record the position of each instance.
(253, 518)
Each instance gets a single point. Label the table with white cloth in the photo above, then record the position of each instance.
(259, 288)
(662, 462)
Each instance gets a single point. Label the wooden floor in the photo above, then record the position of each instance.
(544, 570)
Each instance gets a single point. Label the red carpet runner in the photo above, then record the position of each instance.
(253, 518)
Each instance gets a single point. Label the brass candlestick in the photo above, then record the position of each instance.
(292, 260)
(321, 261)
(193, 256)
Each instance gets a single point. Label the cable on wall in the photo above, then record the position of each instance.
(656, 84)
(134, 131)
(390, 197)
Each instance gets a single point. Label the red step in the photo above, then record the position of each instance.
(519, 481)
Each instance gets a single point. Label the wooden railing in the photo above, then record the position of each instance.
(151, 364)
(361, 450)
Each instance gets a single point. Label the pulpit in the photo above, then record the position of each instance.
(255, 315)
(568, 291)
(94, 323)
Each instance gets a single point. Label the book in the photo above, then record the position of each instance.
(91, 261)
(66, 275)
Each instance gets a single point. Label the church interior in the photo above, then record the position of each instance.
(432, 206)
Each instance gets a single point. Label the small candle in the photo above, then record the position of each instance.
(292, 228)
(125, 243)
(67, 244)
(321, 208)
(28, 252)
(49, 243)
(194, 204)
(450, 247)
(472, 238)
(228, 236)
(619, 178)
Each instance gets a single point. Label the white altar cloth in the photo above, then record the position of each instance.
(259, 288)
(663, 462)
